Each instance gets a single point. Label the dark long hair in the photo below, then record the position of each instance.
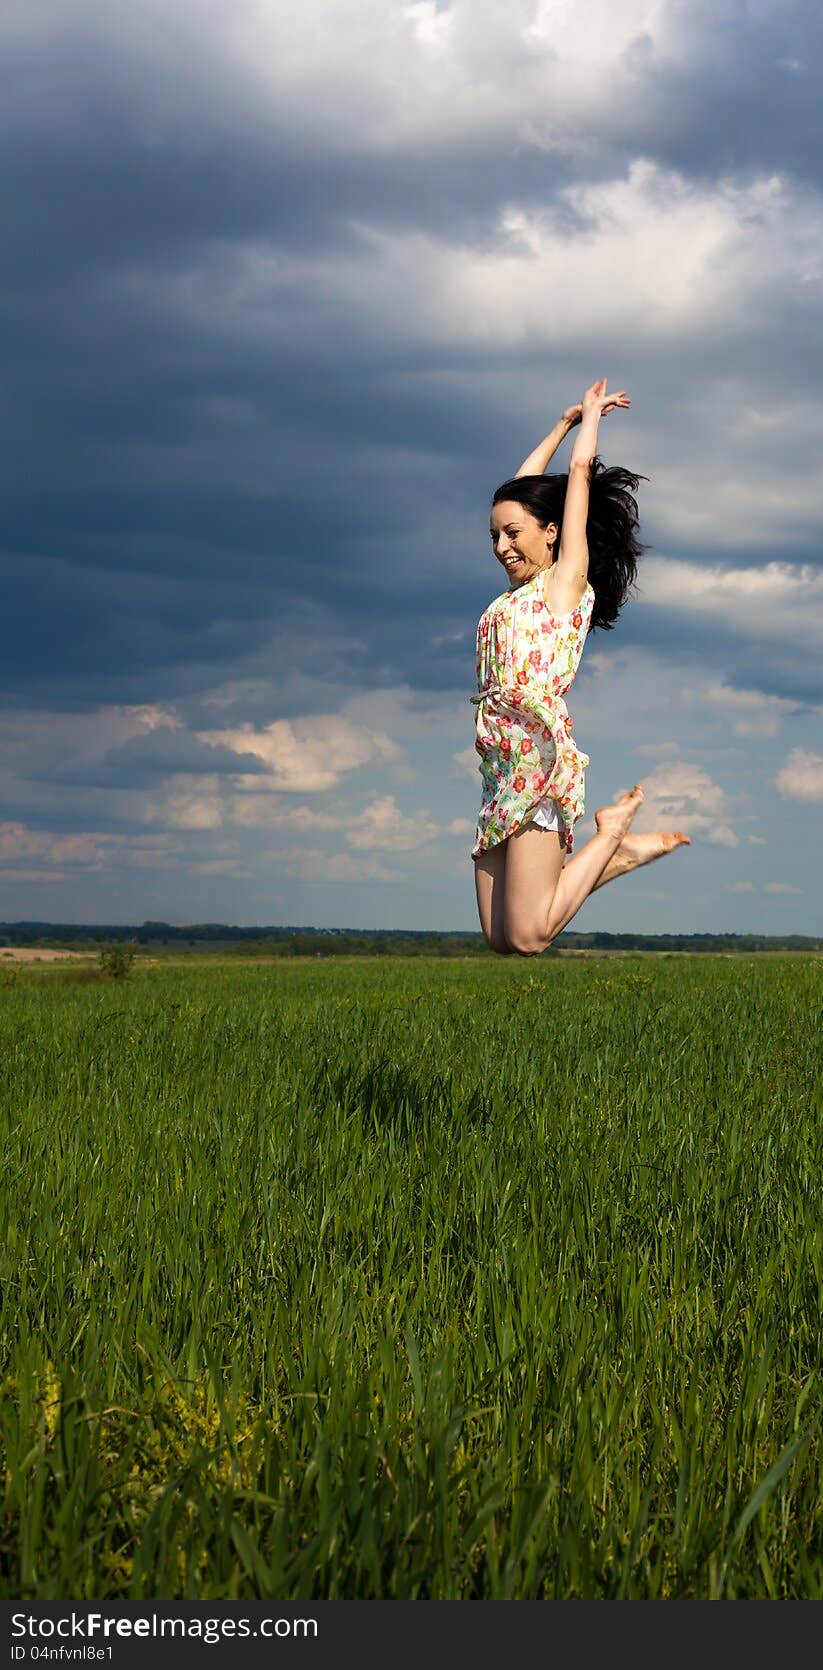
(611, 528)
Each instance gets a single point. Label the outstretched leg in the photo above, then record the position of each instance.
(636, 850)
(541, 896)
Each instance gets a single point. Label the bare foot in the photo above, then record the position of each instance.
(614, 820)
(635, 850)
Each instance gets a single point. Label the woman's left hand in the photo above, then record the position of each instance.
(572, 415)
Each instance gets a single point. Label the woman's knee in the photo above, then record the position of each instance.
(496, 941)
(526, 942)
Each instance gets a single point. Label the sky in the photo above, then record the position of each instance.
(286, 293)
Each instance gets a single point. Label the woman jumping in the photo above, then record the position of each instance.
(569, 547)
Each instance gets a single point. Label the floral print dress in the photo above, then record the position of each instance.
(526, 660)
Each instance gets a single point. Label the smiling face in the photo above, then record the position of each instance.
(519, 542)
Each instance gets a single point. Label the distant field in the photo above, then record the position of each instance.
(40, 954)
(413, 1279)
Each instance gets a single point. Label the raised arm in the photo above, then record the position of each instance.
(537, 461)
(571, 571)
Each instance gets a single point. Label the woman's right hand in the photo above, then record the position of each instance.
(597, 402)
(572, 415)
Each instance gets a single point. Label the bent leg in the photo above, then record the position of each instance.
(636, 850)
(533, 867)
(490, 883)
(541, 895)
(579, 878)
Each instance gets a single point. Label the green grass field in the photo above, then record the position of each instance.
(482, 1279)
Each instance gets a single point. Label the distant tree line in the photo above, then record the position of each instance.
(337, 942)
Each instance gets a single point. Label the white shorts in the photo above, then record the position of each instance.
(548, 815)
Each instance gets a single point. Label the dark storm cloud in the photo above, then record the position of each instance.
(174, 492)
(117, 152)
(145, 759)
(743, 98)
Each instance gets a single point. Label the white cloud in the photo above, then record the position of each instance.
(234, 692)
(682, 257)
(779, 600)
(468, 760)
(459, 63)
(272, 812)
(718, 835)
(668, 244)
(386, 79)
(801, 778)
(680, 795)
(185, 807)
(89, 850)
(18, 841)
(379, 824)
(309, 864)
(151, 717)
(753, 712)
(431, 27)
(382, 824)
(740, 887)
(460, 826)
(306, 755)
(34, 737)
